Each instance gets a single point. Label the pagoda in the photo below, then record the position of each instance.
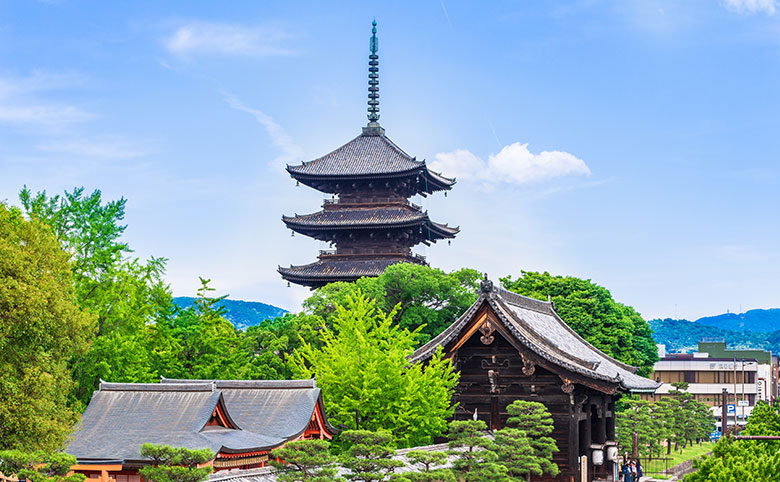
(369, 219)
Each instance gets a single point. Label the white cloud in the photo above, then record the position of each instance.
(229, 39)
(279, 137)
(752, 6)
(513, 164)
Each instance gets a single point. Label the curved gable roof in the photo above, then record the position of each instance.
(537, 326)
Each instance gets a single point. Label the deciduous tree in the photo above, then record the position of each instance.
(367, 380)
(41, 328)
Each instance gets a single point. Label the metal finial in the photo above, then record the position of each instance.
(373, 79)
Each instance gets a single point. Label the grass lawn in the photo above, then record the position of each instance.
(692, 451)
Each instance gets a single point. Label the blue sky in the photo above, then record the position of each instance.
(632, 143)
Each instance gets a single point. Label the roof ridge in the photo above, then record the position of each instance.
(203, 386)
(268, 384)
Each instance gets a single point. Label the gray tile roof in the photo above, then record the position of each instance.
(536, 325)
(340, 269)
(123, 416)
(369, 155)
(276, 408)
(119, 419)
(374, 217)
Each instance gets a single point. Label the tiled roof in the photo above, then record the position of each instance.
(366, 156)
(118, 421)
(339, 269)
(376, 217)
(358, 217)
(537, 326)
(123, 416)
(278, 408)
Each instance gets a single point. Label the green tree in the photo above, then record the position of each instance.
(475, 454)
(369, 456)
(175, 464)
(589, 309)
(367, 380)
(38, 466)
(745, 460)
(124, 293)
(525, 446)
(41, 328)
(420, 295)
(211, 347)
(273, 341)
(305, 460)
(426, 462)
(638, 416)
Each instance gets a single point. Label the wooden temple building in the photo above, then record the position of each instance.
(241, 421)
(509, 347)
(369, 219)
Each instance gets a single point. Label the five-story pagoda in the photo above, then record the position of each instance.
(370, 220)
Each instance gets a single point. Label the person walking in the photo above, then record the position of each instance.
(625, 470)
(639, 471)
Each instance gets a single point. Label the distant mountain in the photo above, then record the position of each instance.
(242, 314)
(682, 336)
(752, 320)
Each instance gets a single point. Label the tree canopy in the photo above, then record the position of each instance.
(367, 380)
(41, 329)
(589, 309)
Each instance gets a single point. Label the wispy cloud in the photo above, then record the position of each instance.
(102, 148)
(279, 137)
(768, 7)
(228, 39)
(513, 164)
(22, 100)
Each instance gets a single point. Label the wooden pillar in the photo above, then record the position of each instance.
(601, 436)
(574, 442)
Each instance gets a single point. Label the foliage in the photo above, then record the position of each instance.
(422, 297)
(745, 460)
(275, 340)
(476, 458)
(367, 380)
(175, 464)
(38, 466)
(642, 417)
(589, 309)
(369, 456)
(41, 328)
(305, 460)
(124, 293)
(678, 418)
(525, 446)
(425, 461)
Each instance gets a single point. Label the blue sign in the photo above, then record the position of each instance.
(715, 436)
(731, 409)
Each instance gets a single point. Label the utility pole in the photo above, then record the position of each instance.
(743, 388)
(724, 398)
(735, 389)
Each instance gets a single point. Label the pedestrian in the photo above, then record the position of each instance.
(639, 471)
(634, 476)
(626, 471)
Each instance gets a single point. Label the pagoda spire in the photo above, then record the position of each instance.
(373, 79)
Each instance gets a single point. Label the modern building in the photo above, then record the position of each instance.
(369, 219)
(747, 376)
(241, 421)
(510, 347)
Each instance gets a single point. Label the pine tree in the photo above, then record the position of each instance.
(476, 458)
(305, 460)
(369, 456)
(537, 421)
